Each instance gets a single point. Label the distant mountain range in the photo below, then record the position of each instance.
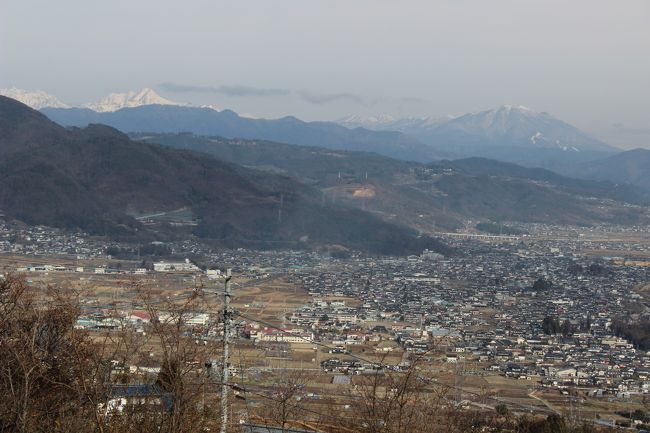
(226, 123)
(509, 133)
(145, 110)
(97, 179)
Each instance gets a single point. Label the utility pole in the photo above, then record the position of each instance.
(225, 362)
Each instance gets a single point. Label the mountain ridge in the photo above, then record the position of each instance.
(227, 123)
(447, 192)
(96, 179)
(512, 133)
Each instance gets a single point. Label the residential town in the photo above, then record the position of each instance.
(539, 309)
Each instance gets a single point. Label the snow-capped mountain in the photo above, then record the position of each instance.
(39, 99)
(506, 126)
(36, 99)
(516, 126)
(509, 133)
(116, 101)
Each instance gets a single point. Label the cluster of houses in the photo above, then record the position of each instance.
(488, 307)
(40, 240)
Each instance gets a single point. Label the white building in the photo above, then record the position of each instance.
(213, 274)
(185, 266)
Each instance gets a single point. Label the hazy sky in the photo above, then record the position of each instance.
(584, 61)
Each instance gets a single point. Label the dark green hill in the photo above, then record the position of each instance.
(601, 188)
(98, 180)
(443, 194)
(315, 164)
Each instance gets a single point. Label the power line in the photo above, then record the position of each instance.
(247, 390)
(225, 367)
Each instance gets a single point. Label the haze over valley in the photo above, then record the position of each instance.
(324, 216)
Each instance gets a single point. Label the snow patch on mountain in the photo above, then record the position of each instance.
(365, 121)
(212, 107)
(386, 122)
